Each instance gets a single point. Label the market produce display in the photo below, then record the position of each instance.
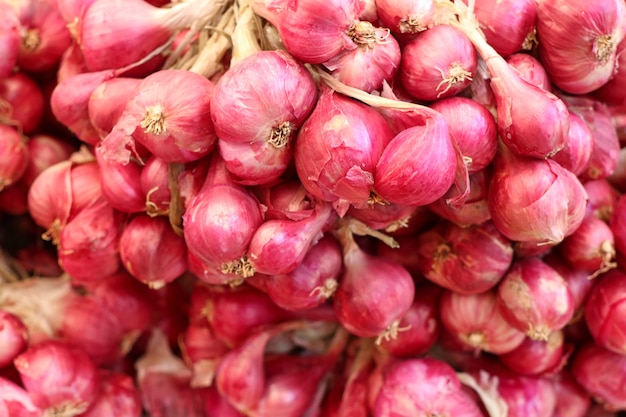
(307, 208)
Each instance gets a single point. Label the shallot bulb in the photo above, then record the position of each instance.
(406, 17)
(508, 25)
(429, 72)
(312, 282)
(419, 164)
(591, 247)
(45, 150)
(22, 102)
(572, 399)
(577, 281)
(531, 121)
(374, 293)
(151, 251)
(605, 314)
(14, 156)
(121, 184)
(618, 224)
(535, 299)
(279, 246)
(468, 260)
(251, 111)
(13, 337)
(118, 396)
(331, 29)
(108, 101)
(226, 214)
(146, 27)
(602, 198)
(44, 35)
(16, 400)
(402, 392)
(421, 325)
(578, 148)
(9, 39)
(154, 183)
(477, 323)
(578, 41)
(601, 372)
(474, 129)
(72, 63)
(538, 357)
(370, 64)
(174, 125)
(59, 377)
(530, 69)
(534, 201)
(337, 149)
(612, 92)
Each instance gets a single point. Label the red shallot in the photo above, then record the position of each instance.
(406, 17)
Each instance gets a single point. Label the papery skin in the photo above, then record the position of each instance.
(506, 24)
(327, 27)
(256, 163)
(603, 374)
(337, 149)
(533, 200)
(477, 322)
(422, 386)
(572, 42)
(535, 299)
(467, 260)
(605, 311)
(107, 102)
(418, 166)
(429, 72)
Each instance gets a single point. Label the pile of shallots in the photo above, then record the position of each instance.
(339, 208)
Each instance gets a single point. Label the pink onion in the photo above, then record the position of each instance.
(577, 281)
(612, 92)
(605, 152)
(154, 182)
(601, 372)
(330, 29)
(429, 72)
(602, 198)
(474, 129)
(107, 102)
(226, 213)
(15, 400)
(45, 150)
(121, 184)
(530, 69)
(508, 25)
(174, 125)
(374, 293)
(538, 357)
(22, 102)
(477, 323)
(618, 224)
(279, 246)
(162, 260)
(535, 201)
(9, 39)
(421, 324)
(591, 247)
(202, 351)
(605, 312)
(312, 282)
(60, 378)
(474, 210)
(578, 149)
(572, 399)
(72, 63)
(535, 299)
(89, 248)
(118, 396)
(578, 42)
(404, 254)
(406, 18)
(391, 217)
(369, 65)
(13, 337)
(337, 149)
(467, 260)
(44, 35)
(418, 166)
(147, 27)
(531, 121)
(402, 391)
(14, 156)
